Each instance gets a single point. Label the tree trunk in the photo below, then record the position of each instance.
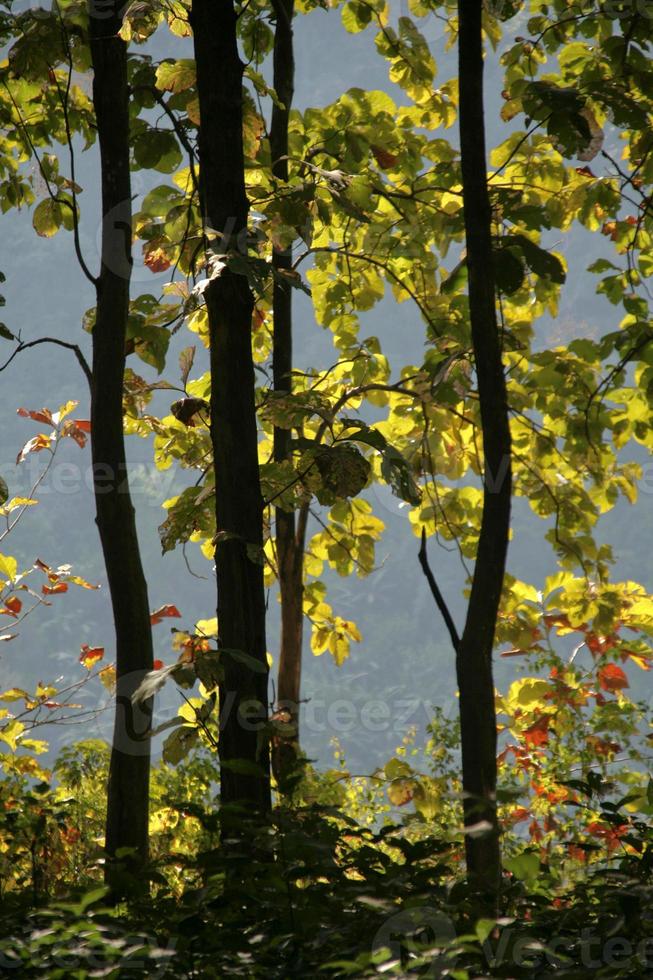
(128, 789)
(289, 545)
(244, 753)
(474, 658)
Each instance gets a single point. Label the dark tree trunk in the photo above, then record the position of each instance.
(474, 657)
(128, 790)
(239, 506)
(289, 544)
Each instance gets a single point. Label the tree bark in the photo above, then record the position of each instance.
(289, 536)
(243, 744)
(474, 657)
(128, 789)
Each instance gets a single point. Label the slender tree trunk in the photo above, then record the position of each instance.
(290, 548)
(474, 657)
(244, 753)
(128, 790)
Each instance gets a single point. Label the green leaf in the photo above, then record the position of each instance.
(186, 514)
(157, 149)
(150, 342)
(525, 866)
(179, 743)
(509, 270)
(649, 792)
(338, 471)
(186, 360)
(541, 262)
(5, 332)
(396, 472)
(243, 767)
(455, 280)
(47, 218)
(367, 435)
(176, 76)
(4, 491)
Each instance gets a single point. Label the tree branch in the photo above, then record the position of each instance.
(83, 363)
(437, 595)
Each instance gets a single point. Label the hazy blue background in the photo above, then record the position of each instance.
(405, 658)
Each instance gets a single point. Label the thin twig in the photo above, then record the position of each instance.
(64, 99)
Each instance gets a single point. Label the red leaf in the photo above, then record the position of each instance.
(14, 605)
(73, 429)
(90, 655)
(538, 732)
(612, 678)
(383, 157)
(164, 612)
(610, 834)
(45, 415)
(54, 589)
(597, 644)
(158, 665)
(41, 564)
(584, 171)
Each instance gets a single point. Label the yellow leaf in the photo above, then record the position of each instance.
(12, 732)
(108, 677)
(15, 503)
(14, 694)
(207, 627)
(8, 567)
(528, 691)
(64, 410)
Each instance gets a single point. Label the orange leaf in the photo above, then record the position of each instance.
(90, 655)
(401, 791)
(612, 678)
(54, 589)
(538, 732)
(41, 564)
(34, 445)
(14, 605)
(156, 260)
(602, 746)
(164, 612)
(639, 659)
(577, 853)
